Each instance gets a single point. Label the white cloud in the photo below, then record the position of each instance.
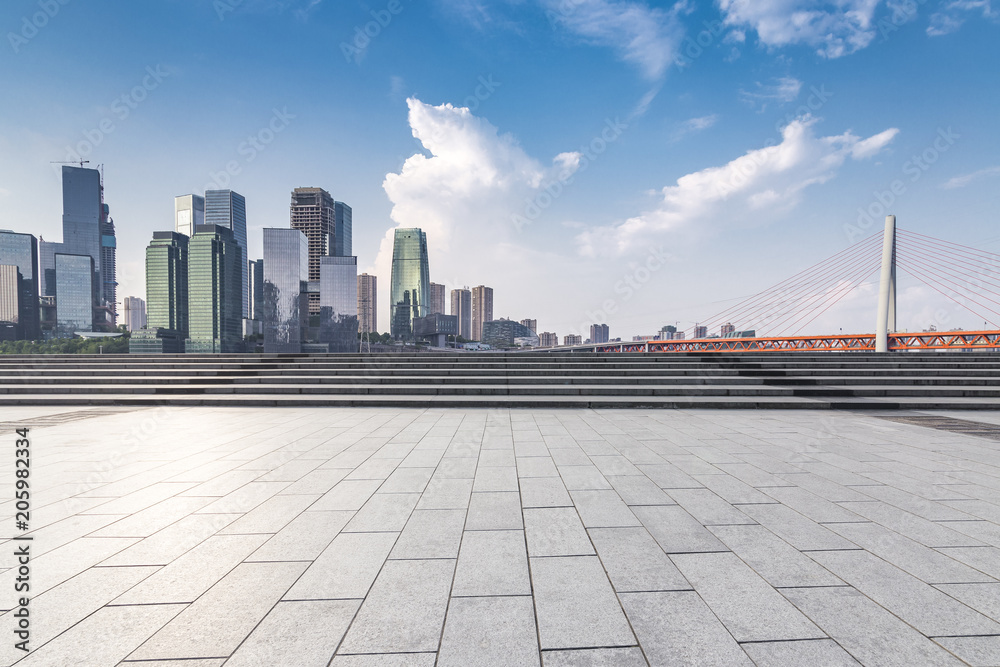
(464, 193)
(966, 179)
(783, 90)
(768, 180)
(693, 125)
(834, 28)
(644, 36)
(953, 15)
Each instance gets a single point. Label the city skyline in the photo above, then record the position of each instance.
(676, 168)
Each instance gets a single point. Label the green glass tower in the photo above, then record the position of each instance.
(215, 291)
(410, 287)
(167, 282)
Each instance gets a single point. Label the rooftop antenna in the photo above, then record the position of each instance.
(79, 162)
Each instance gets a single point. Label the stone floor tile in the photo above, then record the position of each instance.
(984, 598)
(304, 634)
(825, 652)
(814, 507)
(348, 494)
(496, 457)
(492, 562)
(583, 477)
(172, 542)
(190, 575)
(867, 631)
(668, 476)
(536, 466)
(221, 619)
(928, 533)
(456, 468)
(555, 531)
(489, 632)
(270, 516)
(708, 508)
(780, 564)
(635, 562)
(733, 490)
(154, 518)
(924, 607)
(386, 660)
(445, 493)
(799, 531)
(603, 509)
(494, 511)
(384, 512)
(576, 605)
(318, 481)
(544, 492)
(678, 628)
(977, 651)
(405, 610)
(345, 569)
(407, 480)
(595, 657)
(676, 531)
(495, 479)
(984, 559)
(639, 490)
(747, 605)
(430, 534)
(304, 537)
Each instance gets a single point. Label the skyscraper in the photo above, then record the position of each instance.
(338, 315)
(531, 324)
(167, 283)
(573, 339)
(461, 307)
(312, 213)
(482, 309)
(410, 284)
(548, 339)
(74, 294)
(226, 208)
(189, 212)
(10, 303)
(83, 212)
(134, 313)
(437, 299)
(599, 333)
(109, 270)
(21, 250)
(367, 303)
(257, 289)
(342, 230)
(700, 331)
(215, 264)
(286, 273)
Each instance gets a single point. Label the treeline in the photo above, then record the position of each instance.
(66, 346)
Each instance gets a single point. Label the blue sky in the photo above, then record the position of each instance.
(551, 149)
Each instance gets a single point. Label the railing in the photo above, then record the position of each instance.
(899, 342)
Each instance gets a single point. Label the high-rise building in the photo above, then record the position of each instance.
(573, 339)
(461, 307)
(21, 250)
(134, 313)
(548, 339)
(482, 309)
(225, 208)
(257, 290)
(10, 303)
(167, 283)
(700, 331)
(215, 266)
(437, 299)
(342, 230)
(109, 270)
(83, 212)
(189, 212)
(531, 324)
(409, 289)
(312, 213)
(727, 329)
(338, 292)
(74, 294)
(599, 333)
(286, 276)
(367, 303)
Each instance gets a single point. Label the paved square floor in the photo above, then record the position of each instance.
(198, 537)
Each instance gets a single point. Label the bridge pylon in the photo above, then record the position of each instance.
(886, 322)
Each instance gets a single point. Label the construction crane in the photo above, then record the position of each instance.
(79, 162)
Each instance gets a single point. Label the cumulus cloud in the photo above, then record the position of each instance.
(644, 36)
(767, 180)
(834, 28)
(464, 191)
(966, 179)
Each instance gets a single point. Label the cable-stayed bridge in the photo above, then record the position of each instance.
(773, 320)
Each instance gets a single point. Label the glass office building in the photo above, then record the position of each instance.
(368, 303)
(74, 294)
(10, 303)
(409, 290)
(461, 307)
(285, 300)
(338, 298)
(21, 250)
(167, 282)
(226, 208)
(256, 289)
(343, 244)
(82, 216)
(215, 267)
(189, 212)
